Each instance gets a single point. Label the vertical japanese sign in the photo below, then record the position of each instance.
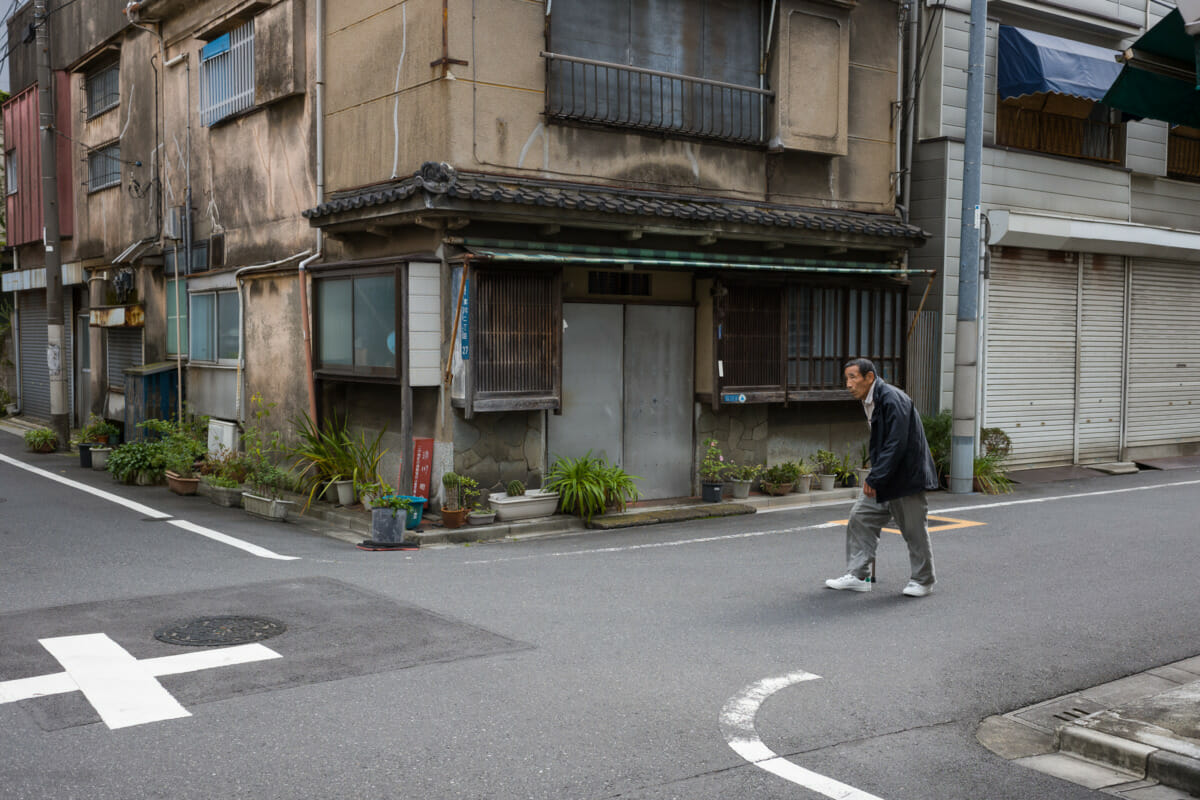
(422, 466)
(466, 320)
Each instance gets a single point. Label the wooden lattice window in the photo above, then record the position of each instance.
(515, 353)
(789, 341)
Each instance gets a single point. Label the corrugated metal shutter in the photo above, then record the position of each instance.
(35, 382)
(1164, 354)
(1101, 358)
(124, 351)
(1030, 359)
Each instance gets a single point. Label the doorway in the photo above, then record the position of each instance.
(627, 392)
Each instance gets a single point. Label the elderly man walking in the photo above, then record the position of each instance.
(901, 472)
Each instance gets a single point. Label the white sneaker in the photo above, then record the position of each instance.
(915, 589)
(850, 582)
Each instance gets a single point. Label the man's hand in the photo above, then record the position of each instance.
(868, 490)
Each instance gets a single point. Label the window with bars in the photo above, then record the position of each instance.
(227, 74)
(104, 167)
(356, 321)
(103, 89)
(789, 342)
(515, 330)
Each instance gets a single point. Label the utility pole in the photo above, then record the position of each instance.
(966, 338)
(55, 350)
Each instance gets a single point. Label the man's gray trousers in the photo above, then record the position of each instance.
(868, 517)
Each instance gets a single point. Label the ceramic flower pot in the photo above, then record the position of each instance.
(827, 482)
(803, 484)
(181, 485)
(453, 518)
(740, 489)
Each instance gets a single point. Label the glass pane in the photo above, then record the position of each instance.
(375, 321)
(202, 320)
(83, 343)
(227, 325)
(177, 298)
(334, 312)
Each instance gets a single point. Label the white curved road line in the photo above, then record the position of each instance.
(149, 512)
(737, 725)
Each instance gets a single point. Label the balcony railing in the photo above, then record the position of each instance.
(603, 93)
(1030, 129)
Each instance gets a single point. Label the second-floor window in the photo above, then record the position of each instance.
(687, 68)
(227, 75)
(104, 167)
(10, 172)
(1070, 127)
(103, 89)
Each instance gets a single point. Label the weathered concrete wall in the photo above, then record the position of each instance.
(273, 345)
(488, 115)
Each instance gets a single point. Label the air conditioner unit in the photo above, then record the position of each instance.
(222, 435)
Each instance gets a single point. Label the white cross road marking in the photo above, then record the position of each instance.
(737, 724)
(122, 689)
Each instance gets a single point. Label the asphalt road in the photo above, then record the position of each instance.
(602, 665)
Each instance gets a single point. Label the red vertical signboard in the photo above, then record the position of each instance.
(422, 467)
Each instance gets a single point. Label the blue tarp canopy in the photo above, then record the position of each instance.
(1030, 62)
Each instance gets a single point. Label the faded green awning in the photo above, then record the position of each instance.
(505, 251)
(1158, 80)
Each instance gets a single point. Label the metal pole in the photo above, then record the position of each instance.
(966, 340)
(55, 350)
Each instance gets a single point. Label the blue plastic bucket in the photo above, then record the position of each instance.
(415, 512)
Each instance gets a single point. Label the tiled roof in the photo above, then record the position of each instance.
(441, 181)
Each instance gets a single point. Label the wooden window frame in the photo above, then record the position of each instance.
(850, 327)
(372, 374)
(484, 369)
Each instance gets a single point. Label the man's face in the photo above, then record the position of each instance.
(858, 384)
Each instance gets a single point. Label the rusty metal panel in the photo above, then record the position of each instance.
(21, 136)
(131, 316)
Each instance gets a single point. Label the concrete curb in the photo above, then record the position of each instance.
(1175, 770)
(1123, 754)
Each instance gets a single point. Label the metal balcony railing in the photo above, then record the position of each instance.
(1030, 129)
(603, 93)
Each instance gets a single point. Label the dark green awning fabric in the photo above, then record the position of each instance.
(502, 251)
(1142, 94)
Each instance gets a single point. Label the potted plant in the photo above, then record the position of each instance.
(586, 486)
(517, 503)
(740, 478)
(330, 459)
(864, 464)
(460, 492)
(481, 514)
(388, 523)
(98, 430)
(847, 471)
(180, 468)
(804, 476)
(265, 478)
(41, 440)
(367, 492)
(222, 490)
(827, 465)
(712, 471)
(779, 479)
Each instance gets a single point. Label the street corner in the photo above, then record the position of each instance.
(143, 660)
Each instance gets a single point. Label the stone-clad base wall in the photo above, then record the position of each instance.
(497, 448)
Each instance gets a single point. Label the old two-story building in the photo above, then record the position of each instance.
(1090, 312)
(522, 229)
(184, 137)
(619, 227)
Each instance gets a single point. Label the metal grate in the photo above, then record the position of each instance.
(515, 338)
(104, 167)
(751, 337)
(604, 93)
(227, 74)
(103, 90)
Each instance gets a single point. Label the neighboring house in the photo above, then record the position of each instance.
(677, 219)
(185, 161)
(1090, 312)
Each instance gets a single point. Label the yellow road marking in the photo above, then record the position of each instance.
(949, 524)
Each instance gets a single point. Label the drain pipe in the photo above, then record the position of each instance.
(241, 360)
(319, 112)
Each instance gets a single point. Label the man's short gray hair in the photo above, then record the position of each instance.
(864, 365)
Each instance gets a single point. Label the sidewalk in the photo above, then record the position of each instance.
(1137, 737)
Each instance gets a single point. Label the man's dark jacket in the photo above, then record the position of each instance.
(900, 460)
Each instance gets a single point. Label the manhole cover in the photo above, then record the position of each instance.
(213, 631)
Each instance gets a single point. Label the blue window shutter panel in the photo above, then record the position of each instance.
(215, 47)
